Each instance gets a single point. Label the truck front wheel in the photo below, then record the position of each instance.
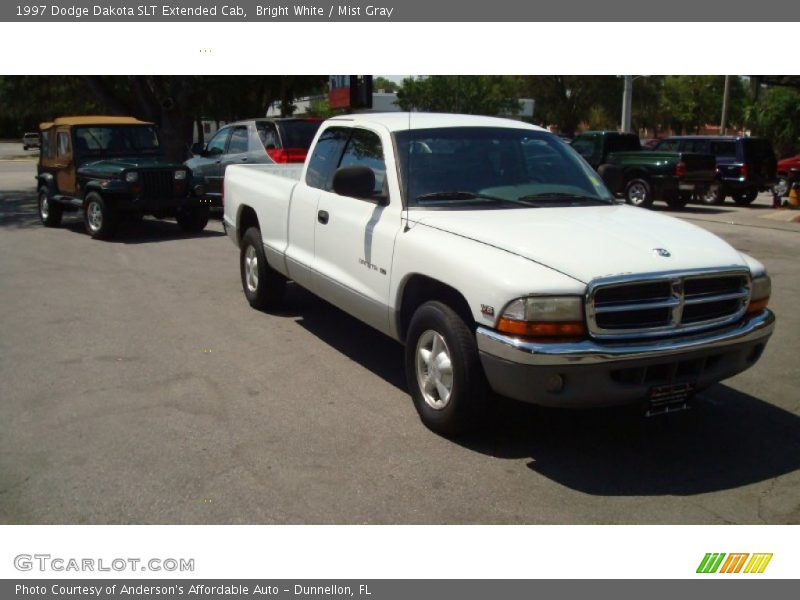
(443, 370)
(638, 193)
(263, 286)
(746, 198)
(49, 212)
(99, 216)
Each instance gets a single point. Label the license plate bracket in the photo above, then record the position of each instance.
(673, 397)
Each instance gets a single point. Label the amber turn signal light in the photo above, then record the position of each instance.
(541, 328)
(757, 305)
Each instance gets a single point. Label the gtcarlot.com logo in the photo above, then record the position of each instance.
(46, 562)
(739, 562)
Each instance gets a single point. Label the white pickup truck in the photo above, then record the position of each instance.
(495, 254)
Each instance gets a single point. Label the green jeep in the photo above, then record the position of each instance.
(111, 168)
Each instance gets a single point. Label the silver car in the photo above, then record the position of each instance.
(250, 142)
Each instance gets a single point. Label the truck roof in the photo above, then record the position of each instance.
(402, 121)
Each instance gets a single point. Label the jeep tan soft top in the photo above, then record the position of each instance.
(92, 120)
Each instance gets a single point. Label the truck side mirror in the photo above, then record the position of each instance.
(612, 177)
(197, 149)
(357, 181)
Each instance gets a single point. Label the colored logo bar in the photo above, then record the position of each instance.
(737, 562)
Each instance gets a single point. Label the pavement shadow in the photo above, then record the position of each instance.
(18, 210)
(727, 440)
(361, 343)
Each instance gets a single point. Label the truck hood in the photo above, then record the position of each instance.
(589, 242)
(109, 166)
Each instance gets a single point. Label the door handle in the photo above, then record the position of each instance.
(323, 216)
(243, 159)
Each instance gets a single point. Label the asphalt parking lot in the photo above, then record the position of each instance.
(137, 386)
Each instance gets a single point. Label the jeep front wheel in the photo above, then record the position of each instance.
(443, 370)
(49, 212)
(194, 219)
(99, 217)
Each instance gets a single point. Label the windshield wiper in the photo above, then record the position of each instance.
(462, 195)
(563, 196)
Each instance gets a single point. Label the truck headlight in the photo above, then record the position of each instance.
(180, 175)
(543, 316)
(132, 176)
(760, 293)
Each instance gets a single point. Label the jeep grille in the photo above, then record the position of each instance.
(157, 185)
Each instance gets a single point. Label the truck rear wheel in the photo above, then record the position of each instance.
(746, 198)
(263, 286)
(193, 219)
(678, 201)
(49, 212)
(99, 216)
(638, 193)
(443, 370)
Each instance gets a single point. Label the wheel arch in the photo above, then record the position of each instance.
(246, 217)
(418, 289)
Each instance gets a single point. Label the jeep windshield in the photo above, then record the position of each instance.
(116, 140)
(493, 167)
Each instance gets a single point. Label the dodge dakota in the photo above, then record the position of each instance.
(498, 257)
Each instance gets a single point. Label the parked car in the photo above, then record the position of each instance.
(30, 140)
(673, 177)
(257, 141)
(501, 261)
(745, 165)
(109, 168)
(785, 165)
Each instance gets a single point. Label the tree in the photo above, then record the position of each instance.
(470, 94)
(566, 100)
(776, 115)
(381, 83)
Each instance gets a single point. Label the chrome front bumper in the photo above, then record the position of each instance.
(596, 374)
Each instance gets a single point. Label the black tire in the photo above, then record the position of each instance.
(678, 201)
(465, 405)
(50, 212)
(746, 198)
(24, 147)
(639, 193)
(193, 219)
(266, 290)
(99, 217)
(713, 197)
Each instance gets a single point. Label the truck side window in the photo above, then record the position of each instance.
(365, 149)
(584, 147)
(325, 159)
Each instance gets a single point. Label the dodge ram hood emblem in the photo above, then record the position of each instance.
(662, 252)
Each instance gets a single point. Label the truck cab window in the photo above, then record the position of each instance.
(365, 149)
(325, 159)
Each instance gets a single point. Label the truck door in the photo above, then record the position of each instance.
(354, 237)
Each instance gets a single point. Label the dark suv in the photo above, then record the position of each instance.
(256, 141)
(745, 165)
(112, 167)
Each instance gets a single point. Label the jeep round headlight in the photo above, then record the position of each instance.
(543, 316)
(180, 175)
(760, 293)
(131, 176)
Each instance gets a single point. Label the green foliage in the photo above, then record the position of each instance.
(469, 94)
(381, 83)
(776, 115)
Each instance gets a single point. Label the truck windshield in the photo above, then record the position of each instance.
(111, 139)
(493, 167)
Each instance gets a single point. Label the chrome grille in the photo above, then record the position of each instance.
(157, 185)
(665, 303)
